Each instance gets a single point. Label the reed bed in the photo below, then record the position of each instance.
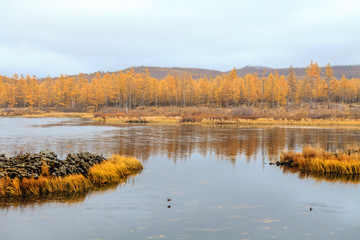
(240, 115)
(342, 115)
(319, 161)
(59, 115)
(114, 170)
(283, 122)
(130, 119)
(37, 113)
(206, 120)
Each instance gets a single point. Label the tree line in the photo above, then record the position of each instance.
(130, 90)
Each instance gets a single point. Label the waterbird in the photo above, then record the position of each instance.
(310, 209)
(169, 199)
(169, 206)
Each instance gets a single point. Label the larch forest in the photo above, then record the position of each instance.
(130, 90)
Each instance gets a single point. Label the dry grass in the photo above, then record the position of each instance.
(59, 115)
(148, 119)
(45, 170)
(242, 115)
(35, 113)
(301, 115)
(322, 162)
(115, 169)
(233, 121)
(168, 115)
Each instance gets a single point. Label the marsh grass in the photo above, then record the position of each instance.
(45, 169)
(319, 161)
(302, 115)
(129, 119)
(240, 115)
(37, 113)
(59, 115)
(206, 120)
(113, 170)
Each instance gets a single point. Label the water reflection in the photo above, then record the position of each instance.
(227, 142)
(11, 202)
(216, 177)
(231, 143)
(31, 201)
(177, 142)
(328, 177)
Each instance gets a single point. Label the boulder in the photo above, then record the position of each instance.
(31, 165)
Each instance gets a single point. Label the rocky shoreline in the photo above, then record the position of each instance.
(47, 163)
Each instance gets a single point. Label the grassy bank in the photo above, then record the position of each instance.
(113, 170)
(318, 161)
(242, 115)
(236, 121)
(60, 115)
(339, 115)
(35, 113)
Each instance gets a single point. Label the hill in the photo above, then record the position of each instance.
(350, 71)
(161, 72)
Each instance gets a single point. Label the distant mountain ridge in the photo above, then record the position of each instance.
(161, 72)
(350, 71)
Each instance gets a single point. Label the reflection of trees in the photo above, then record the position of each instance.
(226, 142)
(178, 142)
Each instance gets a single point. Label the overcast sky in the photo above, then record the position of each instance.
(49, 37)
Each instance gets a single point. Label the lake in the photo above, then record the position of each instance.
(218, 178)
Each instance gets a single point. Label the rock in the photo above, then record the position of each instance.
(284, 163)
(62, 171)
(30, 165)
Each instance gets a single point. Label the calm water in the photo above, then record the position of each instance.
(218, 178)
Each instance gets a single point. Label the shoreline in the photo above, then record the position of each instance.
(201, 116)
(239, 122)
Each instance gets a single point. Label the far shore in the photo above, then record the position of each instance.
(242, 115)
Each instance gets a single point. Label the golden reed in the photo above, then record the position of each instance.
(317, 160)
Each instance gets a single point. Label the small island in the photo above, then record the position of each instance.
(43, 173)
(318, 161)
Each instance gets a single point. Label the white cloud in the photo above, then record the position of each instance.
(91, 35)
(35, 61)
(330, 12)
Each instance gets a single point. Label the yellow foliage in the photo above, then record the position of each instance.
(179, 88)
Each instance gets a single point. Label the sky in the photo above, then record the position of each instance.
(50, 37)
